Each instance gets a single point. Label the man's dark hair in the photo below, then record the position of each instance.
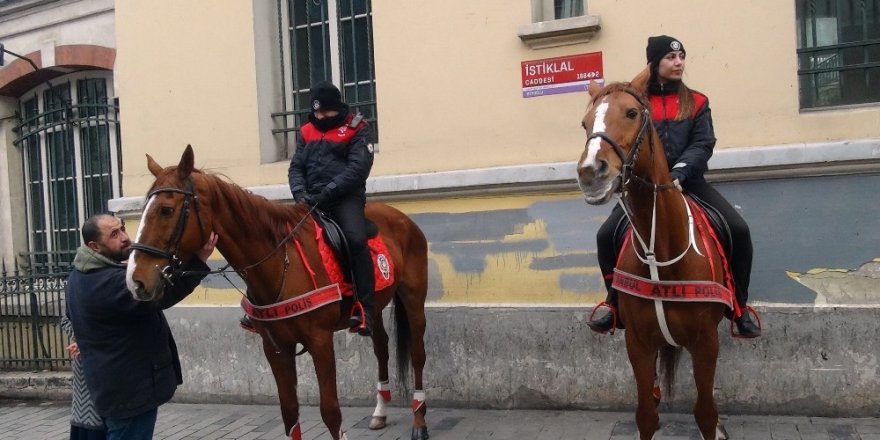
(90, 230)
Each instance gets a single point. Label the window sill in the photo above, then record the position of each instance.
(562, 32)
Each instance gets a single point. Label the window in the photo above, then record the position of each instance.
(546, 10)
(330, 40)
(71, 160)
(838, 52)
(558, 23)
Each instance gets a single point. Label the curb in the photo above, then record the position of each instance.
(47, 385)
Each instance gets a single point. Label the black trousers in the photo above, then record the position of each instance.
(741, 249)
(348, 213)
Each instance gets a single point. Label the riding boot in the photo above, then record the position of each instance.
(361, 320)
(745, 326)
(605, 323)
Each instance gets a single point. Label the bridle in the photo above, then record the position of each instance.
(627, 175)
(629, 158)
(190, 199)
(173, 268)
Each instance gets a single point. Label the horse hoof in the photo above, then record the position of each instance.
(377, 422)
(420, 433)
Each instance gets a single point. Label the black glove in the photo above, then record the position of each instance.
(322, 197)
(678, 175)
(301, 197)
(316, 199)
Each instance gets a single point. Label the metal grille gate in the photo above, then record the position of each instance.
(31, 308)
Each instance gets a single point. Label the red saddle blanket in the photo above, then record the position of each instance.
(383, 266)
(321, 296)
(678, 290)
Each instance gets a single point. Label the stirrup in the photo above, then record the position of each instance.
(734, 331)
(246, 324)
(358, 321)
(612, 310)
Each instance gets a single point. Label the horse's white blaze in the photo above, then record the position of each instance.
(129, 272)
(594, 144)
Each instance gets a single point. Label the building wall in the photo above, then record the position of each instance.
(60, 37)
(186, 75)
(458, 140)
(540, 249)
(448, 79)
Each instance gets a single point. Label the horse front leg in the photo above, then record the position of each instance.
(383, 391)
(642, 358)
(324, 358)
(705, 360)
(283, 364)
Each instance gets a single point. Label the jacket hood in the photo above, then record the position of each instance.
(88, 260)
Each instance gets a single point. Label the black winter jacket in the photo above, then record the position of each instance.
(127, 352)
(689, 143)
(339, 159)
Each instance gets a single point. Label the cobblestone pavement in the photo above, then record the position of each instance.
(37, 420)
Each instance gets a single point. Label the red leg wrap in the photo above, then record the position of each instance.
(295, 433)
(386, 395)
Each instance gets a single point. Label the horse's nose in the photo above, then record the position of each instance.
(137, 289)
(593, 170)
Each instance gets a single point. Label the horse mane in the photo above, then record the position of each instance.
(275, 216)
(269, 218)
(621, 87)
(610, 88)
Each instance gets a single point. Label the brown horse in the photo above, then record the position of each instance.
(279, 261)
(623, 156)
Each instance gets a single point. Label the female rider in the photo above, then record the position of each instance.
(684, 122)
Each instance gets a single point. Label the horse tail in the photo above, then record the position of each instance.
(668, 363)
(403, 342)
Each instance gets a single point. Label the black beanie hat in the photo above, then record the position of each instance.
(325, 96)
(659, 46)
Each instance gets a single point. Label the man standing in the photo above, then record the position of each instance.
(128, 355)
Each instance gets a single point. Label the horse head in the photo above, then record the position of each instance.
(617, 120)
(173, 227)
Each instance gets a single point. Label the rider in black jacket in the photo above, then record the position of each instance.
(329, 169)
(684, 122)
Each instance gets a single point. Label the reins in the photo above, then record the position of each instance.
(172, 270)
(628, 175)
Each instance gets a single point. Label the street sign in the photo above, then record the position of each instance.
(566, 74)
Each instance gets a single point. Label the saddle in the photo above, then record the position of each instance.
(719, 225)
(334, 237)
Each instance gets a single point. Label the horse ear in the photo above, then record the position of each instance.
(185, 167)
(154, 167)
(594, 88)
(640, 82)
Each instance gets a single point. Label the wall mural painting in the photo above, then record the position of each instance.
(816, 242)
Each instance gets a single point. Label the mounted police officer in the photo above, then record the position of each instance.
(329, 170)
(684, 123)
